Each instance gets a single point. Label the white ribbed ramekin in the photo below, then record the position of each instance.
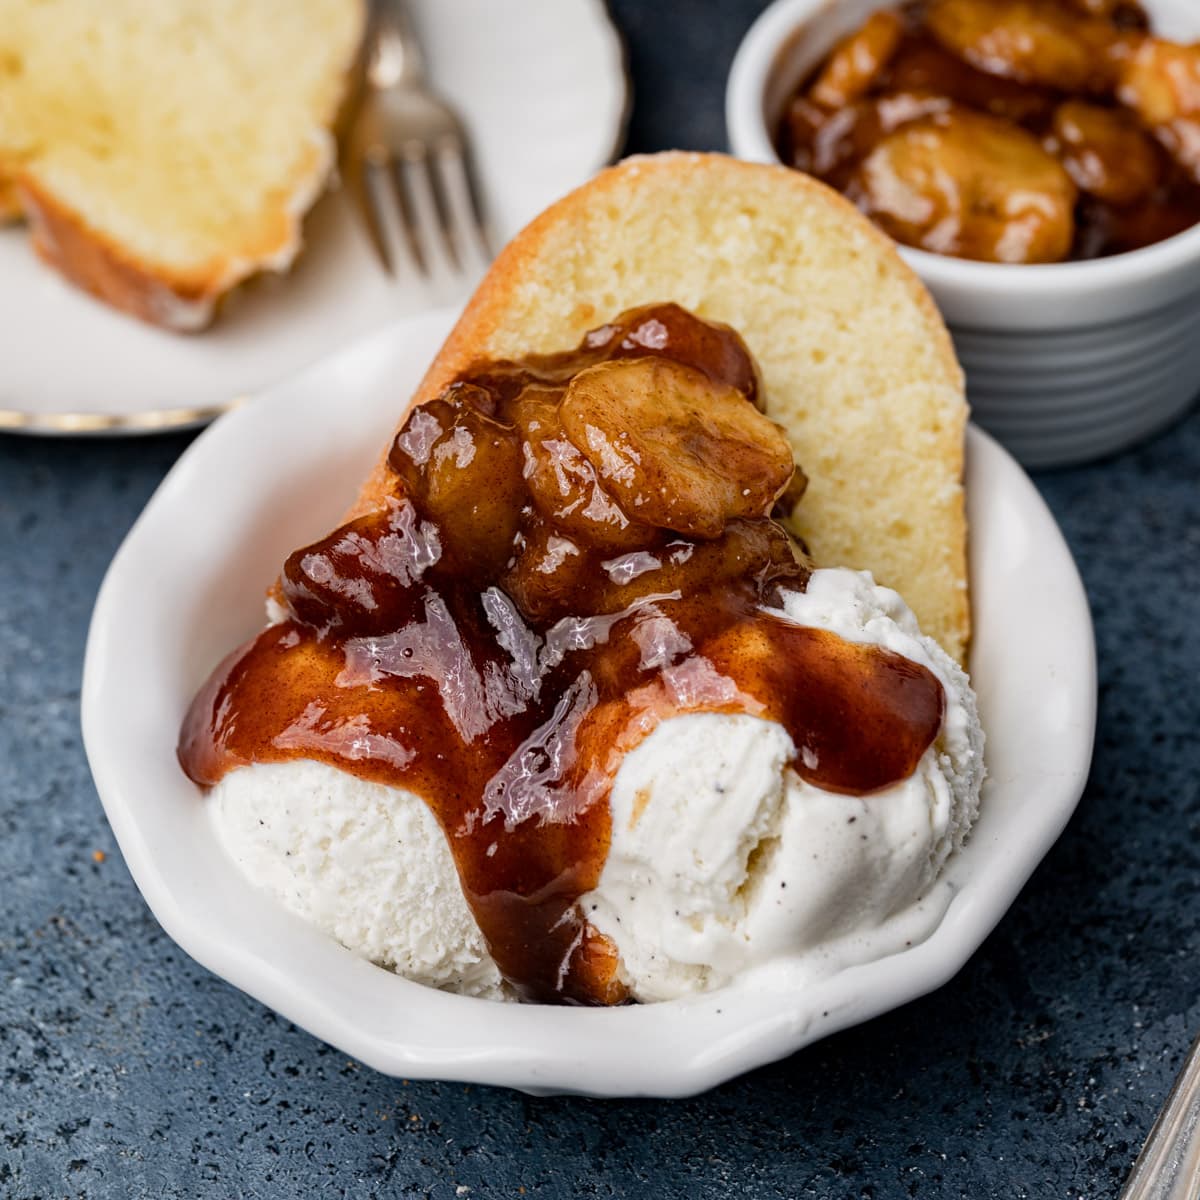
(1066, 362)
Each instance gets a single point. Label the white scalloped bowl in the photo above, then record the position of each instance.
(1065, 362)
(188, 584)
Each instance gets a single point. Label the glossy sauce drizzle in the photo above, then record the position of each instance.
(576, 547)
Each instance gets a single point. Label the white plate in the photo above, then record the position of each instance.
(541, 87)
(188, 584)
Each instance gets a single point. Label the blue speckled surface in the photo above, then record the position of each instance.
(126, 1071)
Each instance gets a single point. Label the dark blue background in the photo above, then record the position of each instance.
(127, 1071)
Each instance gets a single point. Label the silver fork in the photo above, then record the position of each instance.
(406, 164)
(1168, 1167)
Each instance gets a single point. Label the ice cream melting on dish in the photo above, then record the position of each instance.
(578, 549)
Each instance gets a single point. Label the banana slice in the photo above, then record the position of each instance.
(858, 59)
(563, 484)
(675, 449)
(1161, 83)
(1030, 41)
(970, 185)
(463, 468)
(1105, 151)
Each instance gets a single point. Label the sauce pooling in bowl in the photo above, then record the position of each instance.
(575, 547)
(1016, 131)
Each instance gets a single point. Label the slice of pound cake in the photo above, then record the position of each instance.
(163, 152)
(857, 365)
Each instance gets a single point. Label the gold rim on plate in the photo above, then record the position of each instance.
(156, 421)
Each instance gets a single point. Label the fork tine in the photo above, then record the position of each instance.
(405, 221)
(442, 210)
(466, 228)
(362, 192)
(428, 225)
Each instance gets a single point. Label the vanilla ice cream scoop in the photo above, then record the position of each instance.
(365, 863)
(722, 859)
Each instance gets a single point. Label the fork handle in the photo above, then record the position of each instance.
(395, 56)
(1168, 1167)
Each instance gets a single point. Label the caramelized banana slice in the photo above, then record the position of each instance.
(565, 487)
(1160, 81)
(366, 577)
(756, 553)
(674, 332)
(1105, 152)
(858, 59)
(554, 577)
(463, 468)
(831, 144)
(675, 449)
(1031, 41)
(970, 185)
(924, 67)
(551, 575)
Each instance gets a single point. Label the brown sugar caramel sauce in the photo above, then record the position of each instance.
(1133, 185)
(502, 633)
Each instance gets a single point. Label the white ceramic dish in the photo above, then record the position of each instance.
(536, 135)
(188, 584)
(1065, 362)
